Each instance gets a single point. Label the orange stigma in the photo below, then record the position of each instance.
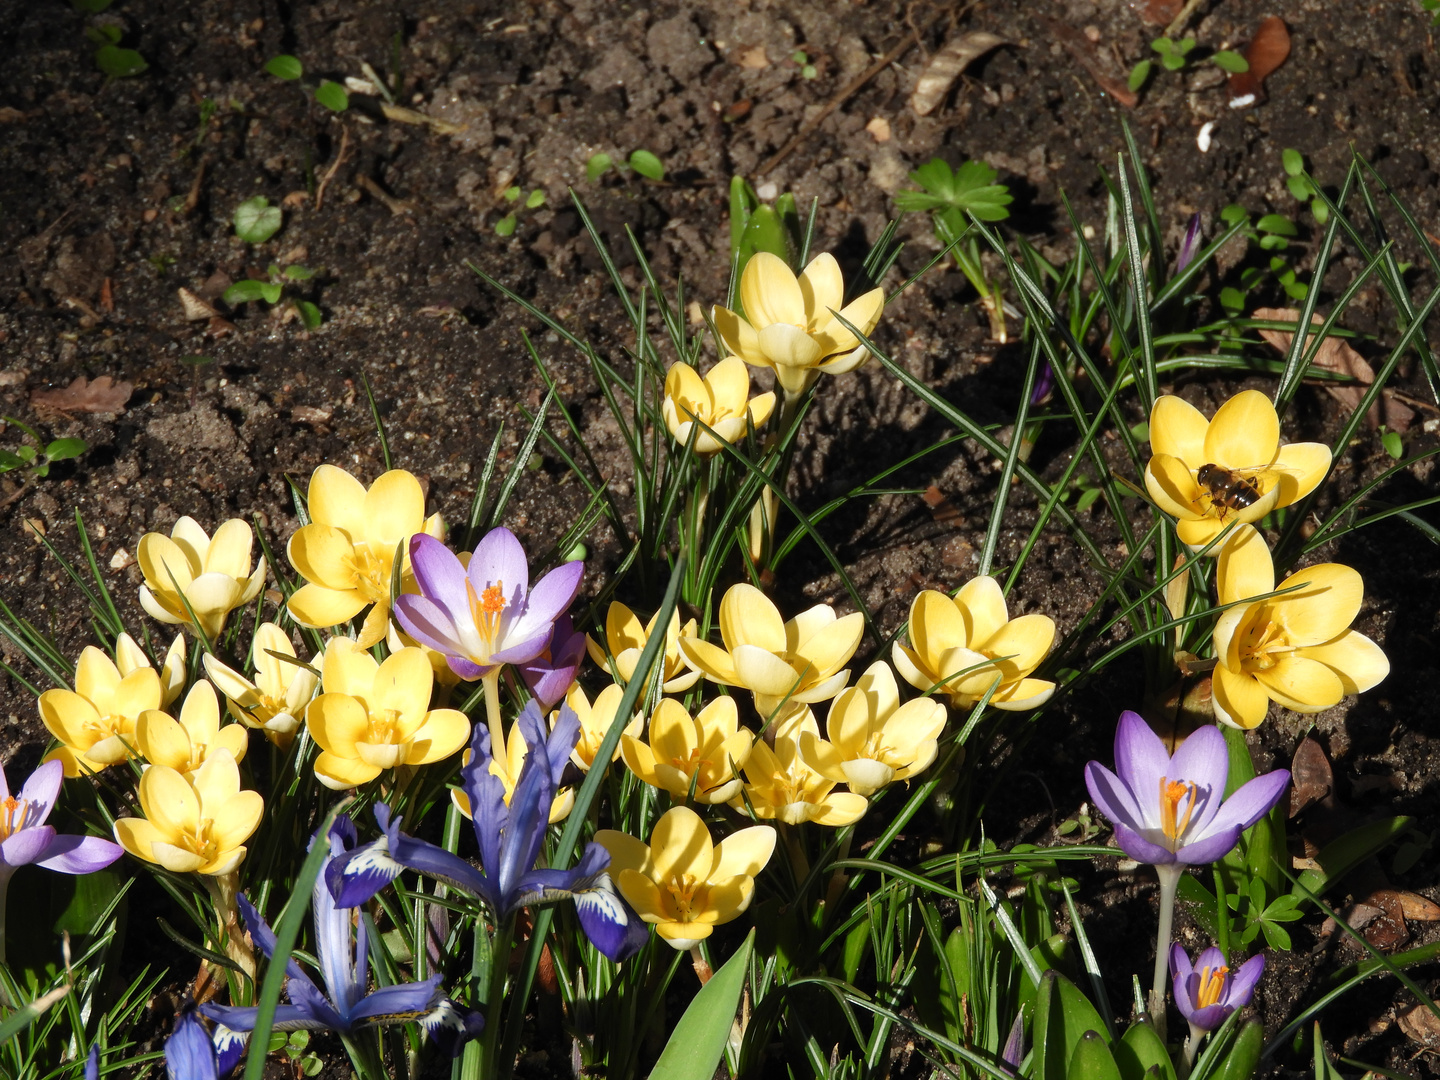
(1212, 985)
(1172, 794)
(13, 813)
(485, 610)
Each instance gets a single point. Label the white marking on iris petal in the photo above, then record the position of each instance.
(374, 859)
(603, 901)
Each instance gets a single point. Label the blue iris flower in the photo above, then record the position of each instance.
(510, 839)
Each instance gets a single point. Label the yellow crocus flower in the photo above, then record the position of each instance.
(95, 722)
(799, 661)
(1297, 649)
(197, 824)
(684, 754)
(372, 717)
(961, 646)
(130, 657)
(626, 639)
(874, 740)
(683, 882)
(275, 700)
(186, 744)
(719, 401)
(790, 323)
(213, 576)
(1247, 473)
(781, 786)
(347, 553)
(595, 720)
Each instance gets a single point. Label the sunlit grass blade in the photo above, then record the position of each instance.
(482, 491)
(379, 423)
(1149, 385)
(519, 465)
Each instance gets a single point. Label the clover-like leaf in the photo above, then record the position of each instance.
(256, 220)
(285, 67)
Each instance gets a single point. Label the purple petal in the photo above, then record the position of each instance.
(437, 571)
(561, 741)
(229, 1045)
(1140, 849)
(189, 1053)
(92, 1062)
(335, 947)
(1203, 760)
(358, 875)
(314, 1008)
(550, 598)
(1114, 799)
(1014, 1052)
(428, 623)
(79, 854)
(27, 845)
(451, 1028)
(40, 790)
(436, 862)
(551, 674)
(1189, 245)
(468, 670)
(1210, 1017)
(528, 819)
(500, 558)
(519, 651)
(1242, 981)
(609, 922)
(397, 1004)
(1206, 849)
(1180, 966)
(1211, 958)
(264, 939)
(287, 1018)
(1140, 758)
(1252, 801)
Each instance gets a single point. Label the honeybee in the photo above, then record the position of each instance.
(1229, 489)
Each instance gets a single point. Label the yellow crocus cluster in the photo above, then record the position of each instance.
(691, 758)
(348, 551)
(720, 402)
(187, 743)
(95, 723)
(193, 823)
(188, 572)
(625, 640)
(274, 701)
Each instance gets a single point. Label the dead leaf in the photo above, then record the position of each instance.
(1267, 50)
(1422, 1026)
(754, 58)
(1387, 930)
(1334, 355)
(946, 65)
(196, 309)
(10, 115)
(1416, 907)
(103, 395)
(1157, 12)
(308, 414)
(1311, 777)
(402, 115)
(219, 327)
(879, 129)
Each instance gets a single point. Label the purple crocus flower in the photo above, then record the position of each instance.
(552, 673)
(510, 839)
(25, 838)
(344, 964)
(1206, 993)
(1189, 245)
(486, 615)
(1173, 809)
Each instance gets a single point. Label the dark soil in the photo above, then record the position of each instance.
(115, 194)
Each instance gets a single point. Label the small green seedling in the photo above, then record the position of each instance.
(1272, 233)
(296, 1046)
(1393, 444)
(949, 195)
(330, 94)
(36, 460)
(536, 199)
(802, 59)
(1257, 917)
(1301, 186)
(1172, 53)
(640, 162)
(112, 60)
(257, 221)
(1173, 56)
(271, 289)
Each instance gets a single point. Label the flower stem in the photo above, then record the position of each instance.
(491, 683)
(1187, 1057)
(482, 1062)
(1169, 875)
(222, 889)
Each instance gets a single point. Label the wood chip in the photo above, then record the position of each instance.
(753, 58)
(1422, 1026)
(1334, 355)
(946, 66)
(1418, 908)
(1157, 12)
(10, 115)
(196, 309)
(103, 395)
(308, 414)
(879, 129)
(1267, 50)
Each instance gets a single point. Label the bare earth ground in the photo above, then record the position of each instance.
(113, 196)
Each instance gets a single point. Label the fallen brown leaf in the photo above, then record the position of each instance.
(1311, 777)
(102, 395)
(196, 309)
(1334, 355)
(1387, 930)
(946, 65)
(1422, 1026)
(1416, 907)
(1267, 50)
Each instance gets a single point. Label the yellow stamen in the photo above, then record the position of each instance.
(13, 813)
(1212, 985)
(485, 611)
(1171, 795)
(682, 889)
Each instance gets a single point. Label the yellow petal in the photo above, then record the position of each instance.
(159, 606)
(169, 802)
(1240, 700)
(1244, 434)
(234, 738)
(760, 408)
(722, 901)
(230, 549)
(402, 683)
(729, 386)
(375, 627)
(641, 893)
(639, 759)
(193, 540)
(936, 626)
(1324, 608)
(1301, 684)
(1177, 429)
(1243, 567)
(981, 602)
(831, 647)
(444, 732)
(626, 852)
(315, 606)
(770, 293)
(340, 773)
(337, 498)
(1023, 696)
(1172, 485)
(822, 286)
(1301, 467)
(348, 669)
(68, 717)
(672, 732)
(167, 567)
(136, 835)
(839, 809)
(1025, 640)
(161, 740)
(680, 844)
(788, 346)
(862, 313)
(324, 555)
(97, 678)
(1358, 661)
(715, 663)
(238, 818)
(216, 782)
(764, 673)
(394, 511)
(138, 691)
(337, 722)
(747, 617)
(823, 757)
(739, 336)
